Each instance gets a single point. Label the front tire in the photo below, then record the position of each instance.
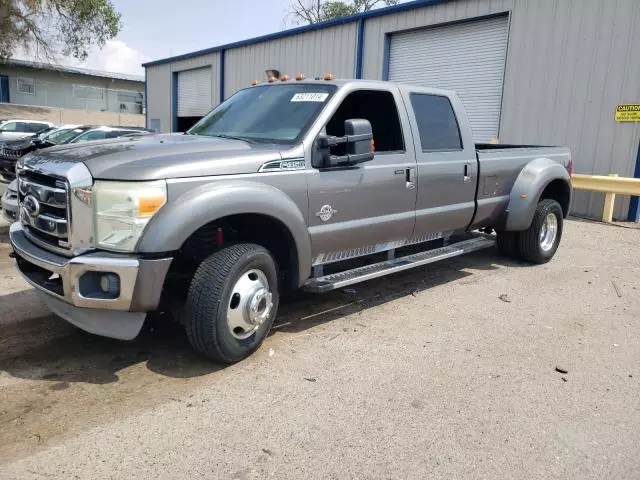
(232, 302)
(539, 243)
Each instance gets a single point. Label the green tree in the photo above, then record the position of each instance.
(45, 28)
(314, 11)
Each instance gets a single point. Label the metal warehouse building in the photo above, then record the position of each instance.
(528, 71)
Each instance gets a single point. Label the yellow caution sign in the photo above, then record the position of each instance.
(628, 112)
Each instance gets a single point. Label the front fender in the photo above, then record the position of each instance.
(176, 221)
(528, 188)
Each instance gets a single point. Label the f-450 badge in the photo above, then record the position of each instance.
(326, 212)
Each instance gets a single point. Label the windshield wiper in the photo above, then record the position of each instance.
(233, 137)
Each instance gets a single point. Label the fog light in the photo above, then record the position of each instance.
(110, 283)
(100, 285)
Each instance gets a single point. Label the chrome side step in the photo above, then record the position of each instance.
(349, 277)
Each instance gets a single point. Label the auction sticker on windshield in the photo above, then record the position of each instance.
(310, 97)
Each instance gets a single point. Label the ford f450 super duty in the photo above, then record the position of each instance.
(306, 184)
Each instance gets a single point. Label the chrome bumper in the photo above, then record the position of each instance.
(60, 279)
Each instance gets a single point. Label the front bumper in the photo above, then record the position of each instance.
(71, 286)
(9, 204)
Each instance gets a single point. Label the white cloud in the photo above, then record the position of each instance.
(116, 56)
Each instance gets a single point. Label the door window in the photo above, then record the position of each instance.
(437, 123)
(36, 127)
(377, 106)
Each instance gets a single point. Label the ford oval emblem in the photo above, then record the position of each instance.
(31, 205)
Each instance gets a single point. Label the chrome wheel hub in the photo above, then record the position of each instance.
(250, 305)
(548, 232)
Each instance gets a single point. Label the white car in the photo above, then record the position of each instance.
(15, 128)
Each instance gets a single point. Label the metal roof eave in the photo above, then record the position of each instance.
(297, 30)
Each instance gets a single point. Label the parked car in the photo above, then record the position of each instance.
(282, 186)
(9, 202)
(15, 128)
(12, 150)
(105, 132)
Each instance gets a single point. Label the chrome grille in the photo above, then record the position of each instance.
(44, 210)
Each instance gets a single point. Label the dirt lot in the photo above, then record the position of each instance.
(443, 372)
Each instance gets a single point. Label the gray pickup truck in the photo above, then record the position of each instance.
(308, 184)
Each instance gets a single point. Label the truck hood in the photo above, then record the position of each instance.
(155, 157)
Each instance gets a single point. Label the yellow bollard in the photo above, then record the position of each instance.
(609, 203)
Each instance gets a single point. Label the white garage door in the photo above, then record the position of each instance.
(194, 92)
(468, 58)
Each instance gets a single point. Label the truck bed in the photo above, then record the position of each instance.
(505, 146)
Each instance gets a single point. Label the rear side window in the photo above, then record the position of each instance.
(437, 123)
(36, 127)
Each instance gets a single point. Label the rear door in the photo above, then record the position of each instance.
(369, 207)
(446, 162)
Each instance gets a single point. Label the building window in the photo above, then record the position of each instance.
(129, 97)
(26, 86)
(87, 92)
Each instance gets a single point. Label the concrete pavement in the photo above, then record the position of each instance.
(442, 372)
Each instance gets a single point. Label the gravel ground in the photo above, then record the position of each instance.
(442, 372)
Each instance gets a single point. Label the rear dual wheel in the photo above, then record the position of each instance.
(539, 243)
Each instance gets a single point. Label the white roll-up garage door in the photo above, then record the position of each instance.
(468, 58)
(194, 92)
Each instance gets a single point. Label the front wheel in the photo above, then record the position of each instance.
(538, 244)
(232, 302)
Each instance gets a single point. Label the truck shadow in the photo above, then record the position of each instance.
(50, 349)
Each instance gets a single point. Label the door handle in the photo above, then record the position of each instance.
(467, 177)
(410, 178)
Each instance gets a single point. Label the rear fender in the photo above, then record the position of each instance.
(528, 188)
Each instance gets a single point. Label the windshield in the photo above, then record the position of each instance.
(269, 113)
(9, 127)
(64, 135)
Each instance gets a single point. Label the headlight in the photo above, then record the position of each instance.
(123, 209)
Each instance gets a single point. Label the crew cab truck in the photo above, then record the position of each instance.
(312, 184)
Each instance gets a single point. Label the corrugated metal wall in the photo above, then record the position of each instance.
(313, 53)
(569, 63)
(453, 11)
(159, 86)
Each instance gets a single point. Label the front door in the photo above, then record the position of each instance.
(367, 208)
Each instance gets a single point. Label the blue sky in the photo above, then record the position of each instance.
(154, 29)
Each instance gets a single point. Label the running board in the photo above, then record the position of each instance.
(349, 277)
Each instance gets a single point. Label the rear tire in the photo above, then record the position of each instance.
(232, 302)
(539, 243)
(508, 243)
